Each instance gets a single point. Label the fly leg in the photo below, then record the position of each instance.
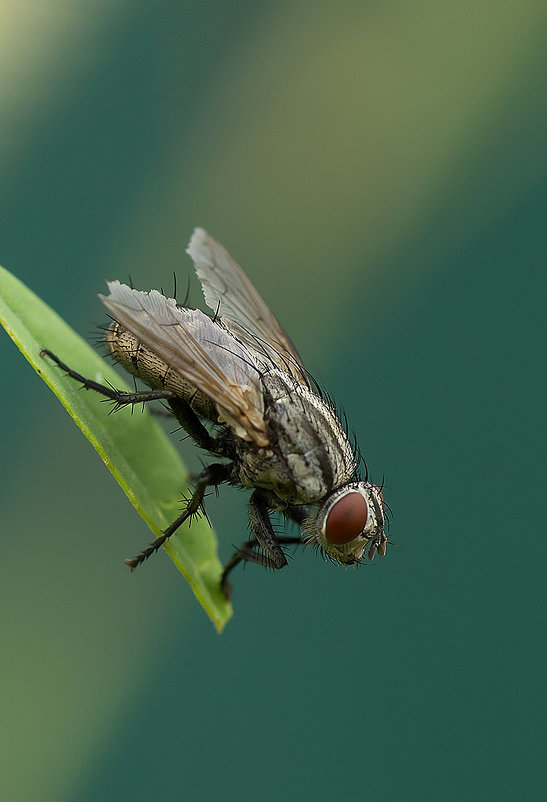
(191, 424)
(179, 407)
(161, 412)
(249, 553)
(297, 513)
(121, 398)
(262, 529)
(264, 536)
(211, 476)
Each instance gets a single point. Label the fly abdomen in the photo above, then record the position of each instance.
(142, 362)
(136, 358)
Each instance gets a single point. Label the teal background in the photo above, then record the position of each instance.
(379, 171)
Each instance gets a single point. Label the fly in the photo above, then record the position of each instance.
(276, 433)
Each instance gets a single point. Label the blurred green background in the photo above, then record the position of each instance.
(379, 171)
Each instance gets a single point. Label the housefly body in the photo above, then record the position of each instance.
(276, 433)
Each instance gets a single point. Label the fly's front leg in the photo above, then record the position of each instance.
(121, 398)
(249, 553)
(264, 536)
(210, 477)
(262, 529)
(297, 513)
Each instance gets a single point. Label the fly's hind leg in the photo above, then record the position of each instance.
(121, 398)
(211, 476)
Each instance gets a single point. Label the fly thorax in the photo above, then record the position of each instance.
(309, 436)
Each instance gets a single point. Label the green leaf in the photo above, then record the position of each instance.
(134, 447)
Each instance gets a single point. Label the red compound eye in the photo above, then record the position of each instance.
(346, 519)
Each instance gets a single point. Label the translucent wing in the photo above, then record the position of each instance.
(230, 294)
(201, 351)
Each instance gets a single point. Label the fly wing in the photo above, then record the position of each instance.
(228, 292)
(200, 350)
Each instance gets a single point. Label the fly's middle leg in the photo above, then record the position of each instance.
(191, 424)
(211, 476)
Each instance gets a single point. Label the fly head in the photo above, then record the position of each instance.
(350, 520)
